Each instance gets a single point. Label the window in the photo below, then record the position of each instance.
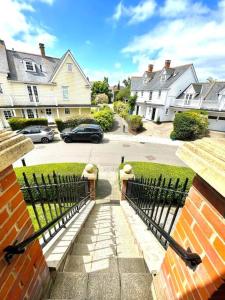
(1, 91)
(188, 96)
(34, 130)
(36, 113)
(150, 95)
(67, 111)
(69, 67)
(159, 94)
(30, 114)
(8, 114)
(41, 68)
(48, 111)
(65, 90)
(213, 117)
(163, 77)
(29, 66)
(33, 93)
(222, 118)
(166, 111)
(142, 93)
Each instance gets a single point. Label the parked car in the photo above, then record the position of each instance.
(84, 132)
(38, 133)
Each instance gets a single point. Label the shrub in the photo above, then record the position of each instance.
(135, 122)
(74, 122)
(121, 108)
(20, 123)
(104, 118)
(101, 99)
(189, 125)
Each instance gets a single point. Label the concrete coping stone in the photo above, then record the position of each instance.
(207, 158)
(90, 172)
(12, 147)
(126, 173)
(152, 250)
(57, 249)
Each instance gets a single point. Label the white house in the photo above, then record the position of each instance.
(161, 94)
(156, 90)
(205, 96)
(34, 85)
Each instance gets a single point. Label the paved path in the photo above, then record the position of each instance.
(105, 263)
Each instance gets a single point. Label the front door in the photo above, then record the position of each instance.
(137, 109)
(49, 115)
(153, 113)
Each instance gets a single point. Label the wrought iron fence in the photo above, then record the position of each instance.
(52, 201)
(158, 202)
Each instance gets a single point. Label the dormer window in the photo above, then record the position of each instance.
(163, 77)
(29, 66)
(188, 96)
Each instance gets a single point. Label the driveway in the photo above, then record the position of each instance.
(107, 153)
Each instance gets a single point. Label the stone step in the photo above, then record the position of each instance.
(70, 286)
(83, 249)
(95, 263)
(102, 285)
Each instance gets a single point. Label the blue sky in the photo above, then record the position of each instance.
(120, 38)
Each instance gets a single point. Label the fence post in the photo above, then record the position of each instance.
(200, 227)
(125, 174)
(27, 274)
(90, 172)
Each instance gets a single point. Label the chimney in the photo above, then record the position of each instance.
(42, 49)
(150, 68)
(167, 63)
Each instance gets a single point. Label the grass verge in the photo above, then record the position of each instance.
(154, 170)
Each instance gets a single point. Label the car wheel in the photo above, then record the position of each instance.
(95, 139)
(67, 140)
(45, 140)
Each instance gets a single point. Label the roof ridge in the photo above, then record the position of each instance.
(32, 54)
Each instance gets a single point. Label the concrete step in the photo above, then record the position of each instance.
(83, 249)
(86, 238)
(78, 263)
(140, 286)
(70, 286)
(102, 285)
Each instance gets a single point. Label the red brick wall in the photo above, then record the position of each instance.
(27, 274)
(201, 227)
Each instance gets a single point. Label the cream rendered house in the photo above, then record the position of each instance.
(41, 86)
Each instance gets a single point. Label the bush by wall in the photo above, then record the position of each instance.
(20, 123)
(135, 122)
(189, 125)
(104, 118)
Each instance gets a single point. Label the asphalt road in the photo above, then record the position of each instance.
(106, 153)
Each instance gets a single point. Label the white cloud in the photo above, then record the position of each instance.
(198, 39)
(174, 8)
(136, 14)
(18, 31)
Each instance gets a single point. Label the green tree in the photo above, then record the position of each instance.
(123, 94)
(132, 103)
(127, 82)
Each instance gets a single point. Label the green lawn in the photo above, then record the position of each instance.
(45, 169)
(60, 168)
(41, 214)
(154, 170)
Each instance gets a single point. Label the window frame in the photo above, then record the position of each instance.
(150, 95)
(65, 88)
(159, 93)
(32, 64)
(48, 111)
(8, 114)
(67, 111)
(69, 67)
(1, 90)
(30, 113)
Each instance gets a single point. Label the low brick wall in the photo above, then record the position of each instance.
(27, 274)
(201, 227)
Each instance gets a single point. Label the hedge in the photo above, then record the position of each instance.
(20, 123)
(104, 118)
(189, 125)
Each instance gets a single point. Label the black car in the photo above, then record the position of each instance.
(84, 132)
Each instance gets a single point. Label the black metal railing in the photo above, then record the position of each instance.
(52, 201)
(159, 202)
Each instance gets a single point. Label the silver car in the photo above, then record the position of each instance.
(38, 133)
